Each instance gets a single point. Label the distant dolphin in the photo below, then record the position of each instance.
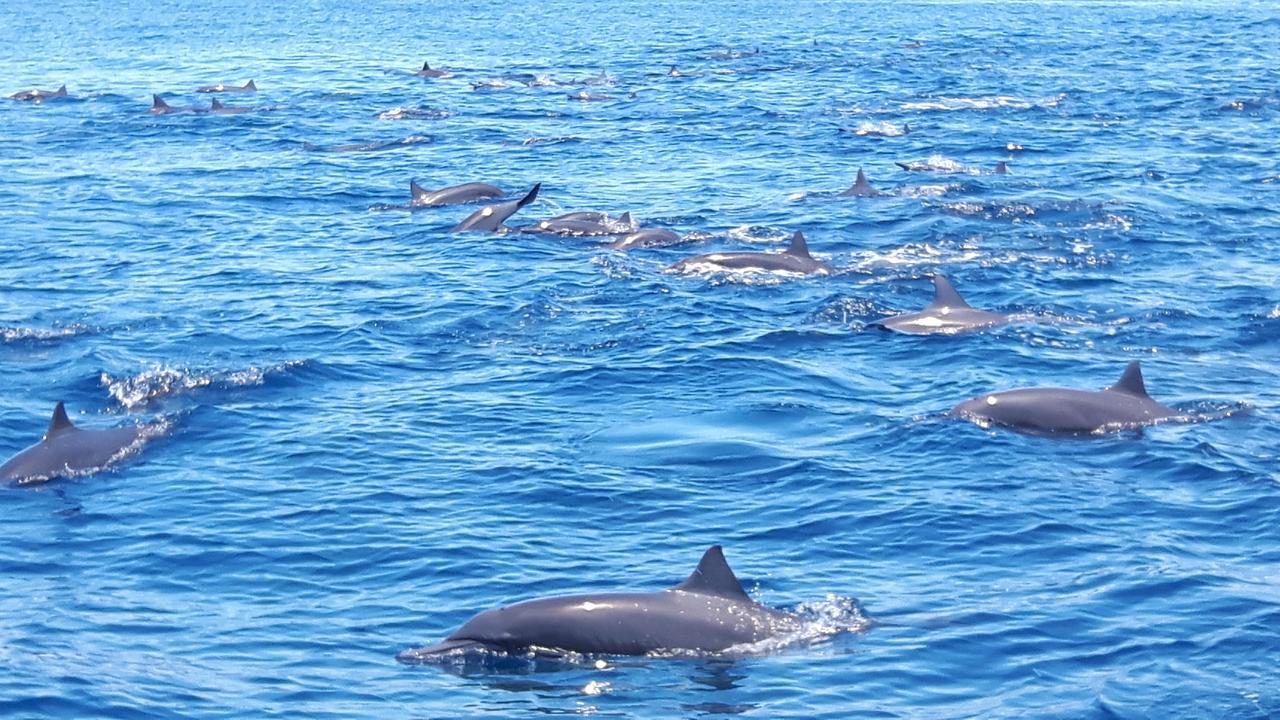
(217, 108)
(795, 259)
(160, 107)
(453, 195)
(490, 217)
(587, 96)
(861, 188)
(708, 612)
(427, 72)
(221, 88)
(66, 449)
(1125, 405)
(948, 314)
(731, 54)
(38, 95)
(647, 238)
(674, 72)
(1001, 168)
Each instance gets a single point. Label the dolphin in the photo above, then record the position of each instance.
(1125, 405)
(217, 108)
(220, 88)
(588, 96)
(948, 314)
(39, 95)
(674, 72)
(1001, 168)
(454, 195)
(582, 224)
(647, 238)
(708, 612)
(427, 72)
(490, 217)
(795, 259)
(66, 449)
(860, 188)
(160, 107)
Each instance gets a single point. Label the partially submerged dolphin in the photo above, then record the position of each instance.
(948, 314)
(708, 612)
(1125, 405)
(453, 195)
(582, 224)
(160, 107)
(37, 95)
(66, 449)
(860, 188)
(427, 72)
(221, 87)
(647, 238)
(795, 259)
(490, 217)
(217, 108)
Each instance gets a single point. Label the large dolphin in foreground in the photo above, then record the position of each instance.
(66, 449)
(453, 195)
(1123, 406)
(795, 259)
(948, 314)
(490, 217)
(708, 612)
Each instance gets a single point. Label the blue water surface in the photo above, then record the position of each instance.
(380, 428)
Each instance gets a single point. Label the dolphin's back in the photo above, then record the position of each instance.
(71, 451)
(1062, 410)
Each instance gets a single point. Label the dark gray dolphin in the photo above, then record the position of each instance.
(582, 224)
(454, 195)
(427, 72)
(160, 107)
(490, 217)
(708, 612)
(66, 449)
(1122, 406)
(221, 88)
(860, 188)
(38, 95)
(647, 238)
(948, 314)
(217, 108)
(1001, 168)
(796, 259)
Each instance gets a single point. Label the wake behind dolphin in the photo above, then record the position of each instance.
(68, 450)
(1123, 406)
(708, 612)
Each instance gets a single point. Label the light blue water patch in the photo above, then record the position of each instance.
(380, 428)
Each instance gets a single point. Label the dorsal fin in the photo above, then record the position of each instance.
(157, 103)
(1131, 381)
(426, 66)
(944, 295)
(904, 166)
(625, 219)
(906, 129)
(250, 86)
(59, 423)
(713, 577)
(216, 104)
(416, 190)
(61, 90)
(529, 197)
(798, 246)
(1002, 168)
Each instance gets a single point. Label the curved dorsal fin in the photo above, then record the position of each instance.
(250, 86)
(713, 577)
(528, 198)
(944, 295)
(59, 423)
(861, 180)
(216, 105)
(61, 90)
(416, 190)
(1131, 381)
(1002, 168)
(625, 219)
(798, 246)
(426, 66)
(157, 103)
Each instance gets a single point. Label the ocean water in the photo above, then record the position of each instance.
(379, 428)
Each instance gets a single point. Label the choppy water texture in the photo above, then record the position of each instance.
(380, 428)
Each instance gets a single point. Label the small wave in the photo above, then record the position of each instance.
(759, 234)
(990, 102)
(161, 381)
(880, 129)
(412, 113)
